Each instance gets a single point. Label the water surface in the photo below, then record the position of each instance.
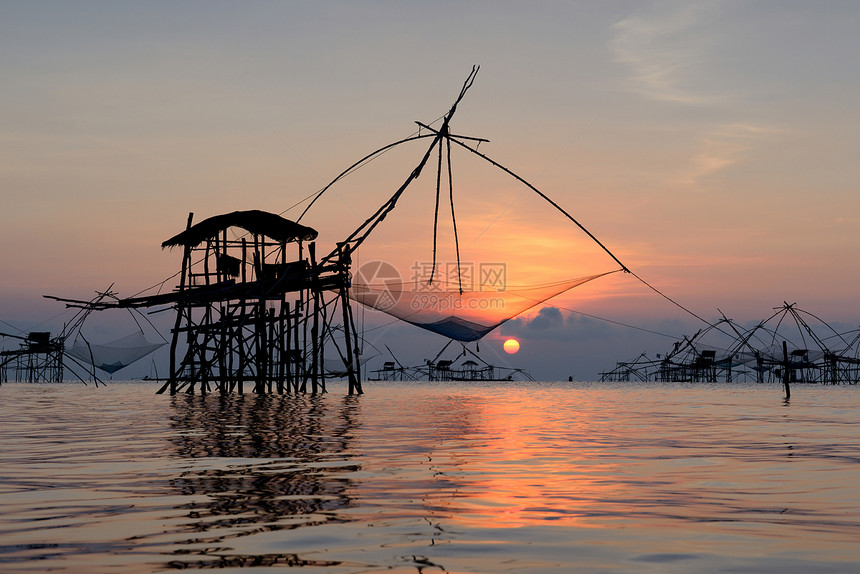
(432, 477)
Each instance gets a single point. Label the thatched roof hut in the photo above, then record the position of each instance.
(254, 221)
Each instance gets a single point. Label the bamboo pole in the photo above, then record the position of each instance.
(171, 380)
(315, 320)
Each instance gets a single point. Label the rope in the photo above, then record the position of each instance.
(577, 223)
(672, 301)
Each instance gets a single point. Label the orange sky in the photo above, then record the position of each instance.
(712, 147)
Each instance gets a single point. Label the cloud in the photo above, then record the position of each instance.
(664, 51)
(723, 146)
(551, 324)
(548, 318)
(678, 54)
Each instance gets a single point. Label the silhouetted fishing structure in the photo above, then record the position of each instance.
(42, 358)
(38, 358)
(254, 309)
(790, 346)
(448, 304)
(466, 366)
(256, 306)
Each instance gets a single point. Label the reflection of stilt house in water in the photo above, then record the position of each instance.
(39, 358)
(254, 310)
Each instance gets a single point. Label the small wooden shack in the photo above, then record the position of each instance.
(256, 308)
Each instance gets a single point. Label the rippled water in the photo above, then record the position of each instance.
(538, 477)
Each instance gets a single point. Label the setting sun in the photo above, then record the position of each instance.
(511, 346)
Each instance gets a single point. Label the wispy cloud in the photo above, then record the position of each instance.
(673, 54)
(723, 146)
(664, 50)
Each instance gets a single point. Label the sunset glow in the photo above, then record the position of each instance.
(419, 287)
(663, 138)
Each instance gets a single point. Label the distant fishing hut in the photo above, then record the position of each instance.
(784, 348)
(38, 358)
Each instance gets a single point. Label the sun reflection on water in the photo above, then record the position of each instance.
(423, 478)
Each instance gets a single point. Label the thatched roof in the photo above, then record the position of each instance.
(255, 221)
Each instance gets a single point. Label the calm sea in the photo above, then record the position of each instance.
(441, 477)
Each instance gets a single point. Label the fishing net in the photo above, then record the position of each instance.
(440, 307)
(115, 355)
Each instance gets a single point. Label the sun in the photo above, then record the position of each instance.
(511, 346)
